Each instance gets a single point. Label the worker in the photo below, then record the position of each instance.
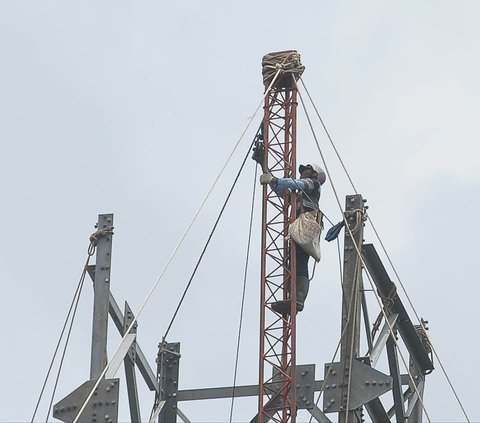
(312, 177)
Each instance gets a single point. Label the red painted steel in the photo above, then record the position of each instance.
(277, 389)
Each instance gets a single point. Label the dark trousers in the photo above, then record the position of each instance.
(302, 261)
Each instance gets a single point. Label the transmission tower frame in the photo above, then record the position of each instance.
(349, 386)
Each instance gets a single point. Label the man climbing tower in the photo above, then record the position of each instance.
(312, 177)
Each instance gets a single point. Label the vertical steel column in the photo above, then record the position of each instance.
(277, 390)
(168, 369)
(101, 294)
(351, 299)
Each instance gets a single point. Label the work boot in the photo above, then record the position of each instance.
(302, 290)
(281, 307)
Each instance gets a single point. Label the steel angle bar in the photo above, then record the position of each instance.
(397, 382)
(366, 320)
(319, 415)
(376, 411)
(216, 393)
(382, 339)
(413, 403)
(122, 351)
(132, 391)
(407, 395)
(182, 416)
(156, 412)
(129, 365)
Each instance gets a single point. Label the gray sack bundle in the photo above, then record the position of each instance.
(305, 231)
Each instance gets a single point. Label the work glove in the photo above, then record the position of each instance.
(267, 178)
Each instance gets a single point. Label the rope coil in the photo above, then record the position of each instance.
(284, 63)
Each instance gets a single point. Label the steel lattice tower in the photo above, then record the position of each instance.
(277, 396)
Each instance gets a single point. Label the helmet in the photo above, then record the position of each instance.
(321, 176)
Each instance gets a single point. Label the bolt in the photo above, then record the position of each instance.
(107, 389)
(367, 382)
(304, 373)
(328, 386)
(107, 416)
(334, 386)
(374, 382)
(107, 280)
(332, 400)
(333, 372)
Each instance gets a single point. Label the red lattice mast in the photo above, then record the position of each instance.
(277, 390)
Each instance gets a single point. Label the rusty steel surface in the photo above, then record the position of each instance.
(277, 389)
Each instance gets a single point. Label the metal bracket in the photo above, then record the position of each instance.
(366, 384)
(101, 407)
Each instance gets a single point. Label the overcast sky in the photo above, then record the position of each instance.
(132, 108)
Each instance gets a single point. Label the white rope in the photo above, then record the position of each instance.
(136, 316)
(385, 251)
(421, 324)
(359, 255)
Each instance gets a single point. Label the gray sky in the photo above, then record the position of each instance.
(133, 108)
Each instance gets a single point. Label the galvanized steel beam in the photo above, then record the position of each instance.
(101, 290)
(351, 301)
(168, 369)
